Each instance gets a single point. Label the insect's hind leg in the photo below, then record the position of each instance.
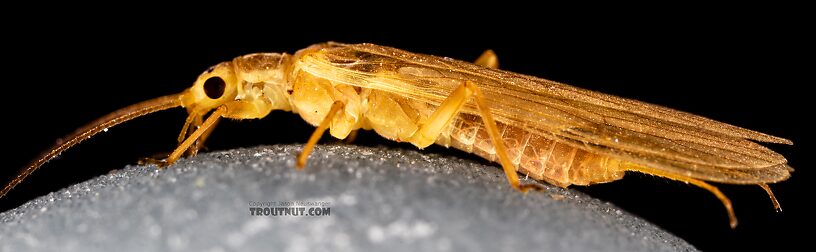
(501, 150)
(767, 189)
(699, 183)
(488, 59)
(442, 116)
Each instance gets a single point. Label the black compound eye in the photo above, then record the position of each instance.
(214, 87)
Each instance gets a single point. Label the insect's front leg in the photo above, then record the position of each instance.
(198, 145)
(233, 109)
(193, 122)
(442, 116)
(206, 127)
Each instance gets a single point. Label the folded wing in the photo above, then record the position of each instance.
(633, 131)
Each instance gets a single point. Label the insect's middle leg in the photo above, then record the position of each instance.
(337, 106)
(442, 116)
(351, 136)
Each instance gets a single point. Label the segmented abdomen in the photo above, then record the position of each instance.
(534, 155)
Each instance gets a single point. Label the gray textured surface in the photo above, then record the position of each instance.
(379, 198)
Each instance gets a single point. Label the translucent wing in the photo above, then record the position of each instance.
(636, 132)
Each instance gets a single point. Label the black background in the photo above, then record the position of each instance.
(736, 66)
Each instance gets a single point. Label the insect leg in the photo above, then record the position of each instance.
(498, 143)
(192, 122)
(304, 154)
(211, 120)
(773, 198)
(185, 130)
(441, 117)
(193, 150)
(699, 183)
(158, 159)
(233, 109)
(488, 59)
(351, 136)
